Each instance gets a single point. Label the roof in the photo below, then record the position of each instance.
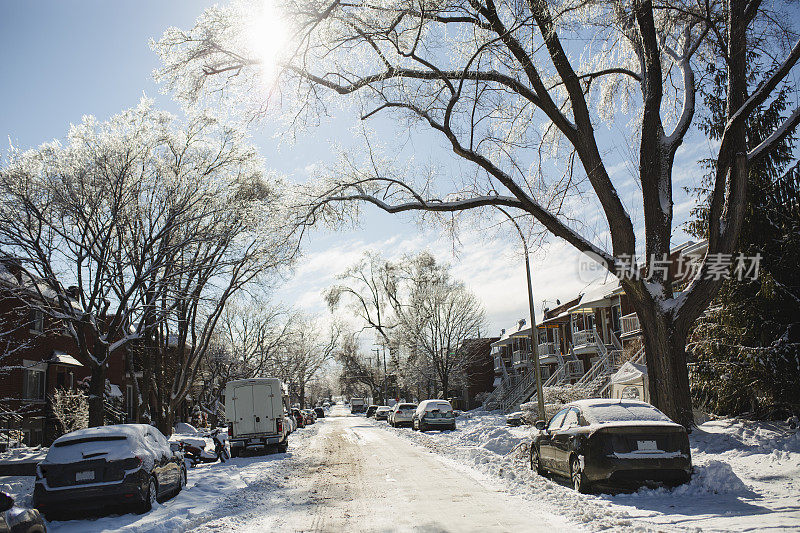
(629, 372)
(61, 358)
(597, 296)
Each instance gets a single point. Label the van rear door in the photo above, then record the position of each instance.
(244, 419)
(264, 414)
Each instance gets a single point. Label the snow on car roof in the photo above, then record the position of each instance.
(115, 442)
(603, 411)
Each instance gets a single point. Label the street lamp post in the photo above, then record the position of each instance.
(534, 341)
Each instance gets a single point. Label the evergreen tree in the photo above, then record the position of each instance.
(746, 347)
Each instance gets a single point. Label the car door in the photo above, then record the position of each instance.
(546, 452)
(161, 465)
(562, 440)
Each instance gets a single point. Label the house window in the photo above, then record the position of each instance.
(33, 381)
(37, 321)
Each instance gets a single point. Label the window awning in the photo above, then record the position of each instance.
(61, 358)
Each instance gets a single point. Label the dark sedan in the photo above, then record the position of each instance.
(96, 470)
(612, 442)
(320, 412)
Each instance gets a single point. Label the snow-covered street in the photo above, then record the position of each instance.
(351, 473)
(354, 476)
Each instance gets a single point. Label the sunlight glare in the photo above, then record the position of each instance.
(267, 36)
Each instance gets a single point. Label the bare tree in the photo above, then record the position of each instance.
(140, 229)
(439, 314)
(504, 91)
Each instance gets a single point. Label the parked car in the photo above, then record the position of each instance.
(292, 421)
(123, 466)
(18, 520)
(299, 417)
(308, 416)
(612, 442)
(320, 412)
(402, 414)
(357, 405)
(382, 412)
(254, 410)
(433, 414)
(370, 412)
(515, 419)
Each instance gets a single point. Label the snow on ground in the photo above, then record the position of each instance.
(211, 491)
(747, 477)
(23, 454)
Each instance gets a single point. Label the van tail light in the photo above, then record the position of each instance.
(279, 423)
(230, 429)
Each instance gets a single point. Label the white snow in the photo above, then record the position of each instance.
(120, 441)
(747, 477)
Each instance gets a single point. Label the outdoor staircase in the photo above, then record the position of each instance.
(595, 382)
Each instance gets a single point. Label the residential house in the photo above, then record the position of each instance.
(582, 341)
(37, 356)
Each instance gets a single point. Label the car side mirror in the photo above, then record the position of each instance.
(540, 425)
(6, 502)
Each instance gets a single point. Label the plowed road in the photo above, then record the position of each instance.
(354, 476)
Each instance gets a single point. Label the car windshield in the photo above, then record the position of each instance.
(623, 412)
(406, 406)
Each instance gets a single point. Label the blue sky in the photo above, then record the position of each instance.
(63, 60)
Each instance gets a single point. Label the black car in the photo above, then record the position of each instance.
(371, 411)
(97, 470)
(320, 412)
(612, 443)
(17, 520)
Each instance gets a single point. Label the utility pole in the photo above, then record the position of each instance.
(534, 340)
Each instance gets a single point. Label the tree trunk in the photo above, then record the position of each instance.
(668, 376)
(97, 389)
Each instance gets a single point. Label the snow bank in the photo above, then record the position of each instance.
(212, 491)
(747, 476)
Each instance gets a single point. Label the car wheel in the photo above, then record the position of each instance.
(283, 446)
(579, 482)
(536, 463)
(151, 497)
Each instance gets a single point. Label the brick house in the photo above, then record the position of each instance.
(37, 356)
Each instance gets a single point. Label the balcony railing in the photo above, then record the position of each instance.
(630, 324)
(582, 338)
(547, 348)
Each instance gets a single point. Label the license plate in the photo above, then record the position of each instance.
(647, 445)
(86, 475)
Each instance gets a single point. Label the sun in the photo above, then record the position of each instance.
(267, 36)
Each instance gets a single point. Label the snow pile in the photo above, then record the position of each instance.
(212, 491)
(23, 454)
(747, 476)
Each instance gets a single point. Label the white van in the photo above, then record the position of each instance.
(254, 409)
